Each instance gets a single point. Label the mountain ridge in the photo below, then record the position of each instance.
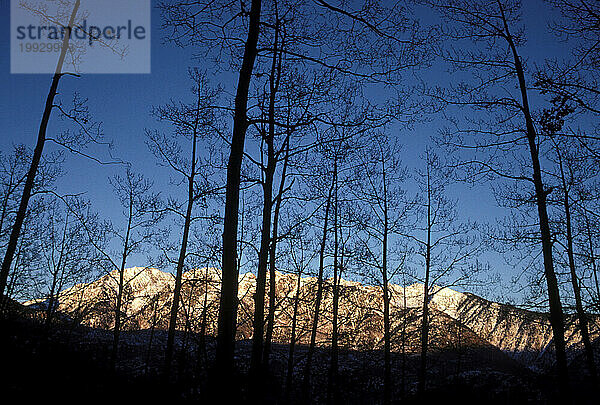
(523, 335)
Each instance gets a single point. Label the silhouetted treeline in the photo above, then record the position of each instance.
(301, 166)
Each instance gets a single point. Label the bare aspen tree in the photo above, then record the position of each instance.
(319, 295)
(88, 132)
(341, 153)
(141, 216)
(65, 257)
(194, 126)
(36, 158)
(582, 317)
(13, 174)
(228, 306)
(13, 168)
(444, 242)
(273, 251)
(219, 23)
(300, 259)
(572, 169)
(378, 178)
(493, 36)
(336, 143)
(332, 387)
(268, 173)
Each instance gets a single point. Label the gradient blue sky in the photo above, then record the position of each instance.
(123, 102)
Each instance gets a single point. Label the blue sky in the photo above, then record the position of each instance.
(123, 103)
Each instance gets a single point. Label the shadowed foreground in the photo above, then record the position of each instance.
(73, 362)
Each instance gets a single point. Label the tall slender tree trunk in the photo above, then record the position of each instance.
(189, 315)
(318, 299)
(459, 343)
(57, 278)
(332, 387)
(556, 310)
(259, 296)
(583, 323)
(229, 286)
(387, 357)
(182, 252)
(263, 255)
(35, 160)
(202, 354)
(290, 361)
(272, 258)
(121, 287)
(151, 339)
(404, 324)
(422, 384)
(51, 301)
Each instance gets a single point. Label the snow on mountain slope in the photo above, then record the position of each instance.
(458, 319)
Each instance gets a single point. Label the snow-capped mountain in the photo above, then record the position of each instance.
(457, 319)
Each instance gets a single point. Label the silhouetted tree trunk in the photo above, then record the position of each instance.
(387, 338)
(379, 217)
(13, 171)
(404, 325)
(35, 160)
(541, 193)
(445, 247)
(583, 323)
(56, 275)
(425, 317)
(64, 257)
(202, 353)
(267, 211)
(332, 386)
(133, 191)
(272, 256)
(10, 189)
(489, 23)
(151, 339)
(12, 283)
(459, 343)
(229, 287)
(193, 123)
(387, 366)
(318, 299)
(191, 197)
(290, 361)
(121, 285)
